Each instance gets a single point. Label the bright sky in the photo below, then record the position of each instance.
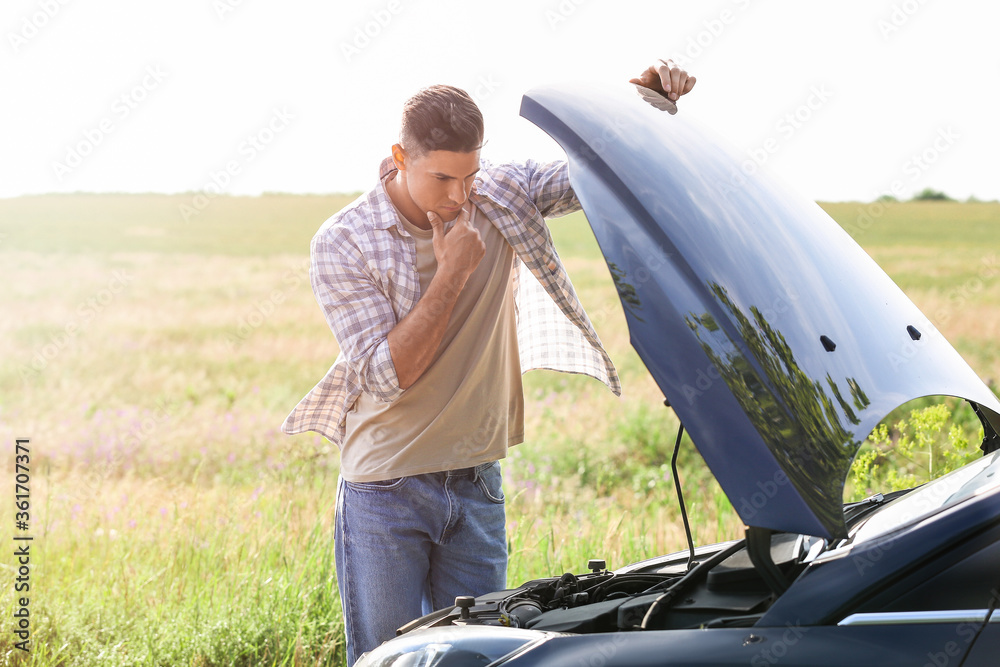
(840, 99)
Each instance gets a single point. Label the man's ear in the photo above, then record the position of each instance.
(399, 157)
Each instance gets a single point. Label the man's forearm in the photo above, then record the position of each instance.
(415, 340)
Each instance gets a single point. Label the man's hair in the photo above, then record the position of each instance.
(441, 118)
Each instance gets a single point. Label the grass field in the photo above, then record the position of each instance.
(151, 360)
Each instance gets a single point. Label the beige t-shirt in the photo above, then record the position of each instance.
(468, 406)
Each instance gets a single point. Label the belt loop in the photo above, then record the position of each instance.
(478, 470)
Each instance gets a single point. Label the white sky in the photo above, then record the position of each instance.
(895, 76)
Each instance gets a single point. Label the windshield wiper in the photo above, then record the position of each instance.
(855, 511)
(877, 499)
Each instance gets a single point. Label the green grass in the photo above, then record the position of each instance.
(175, 524)
(926, 224)
(117, 223)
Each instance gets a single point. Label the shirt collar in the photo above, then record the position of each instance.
(387, 216)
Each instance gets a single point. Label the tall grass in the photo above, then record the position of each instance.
(175, 525)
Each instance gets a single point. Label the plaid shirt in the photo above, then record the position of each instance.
(364, 277)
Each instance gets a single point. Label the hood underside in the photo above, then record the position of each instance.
(778, 341)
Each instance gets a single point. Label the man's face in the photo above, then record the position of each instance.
(440, 181)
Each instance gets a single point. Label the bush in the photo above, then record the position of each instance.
(915, 450)
(930, 194)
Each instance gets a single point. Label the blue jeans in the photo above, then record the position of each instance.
(405, 547)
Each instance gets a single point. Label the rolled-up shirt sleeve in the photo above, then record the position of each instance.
(357, 311)
(549, 188)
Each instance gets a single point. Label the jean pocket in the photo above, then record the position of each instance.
(490, 482)
(379, 485)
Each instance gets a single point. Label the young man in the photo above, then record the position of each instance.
(441, 286)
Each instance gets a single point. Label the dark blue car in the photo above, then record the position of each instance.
(780, 345)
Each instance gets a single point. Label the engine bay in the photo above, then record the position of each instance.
(721, 587)
(729, 584)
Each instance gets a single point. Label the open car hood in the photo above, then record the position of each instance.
(778, 341)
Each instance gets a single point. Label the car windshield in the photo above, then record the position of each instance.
(974, 479)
